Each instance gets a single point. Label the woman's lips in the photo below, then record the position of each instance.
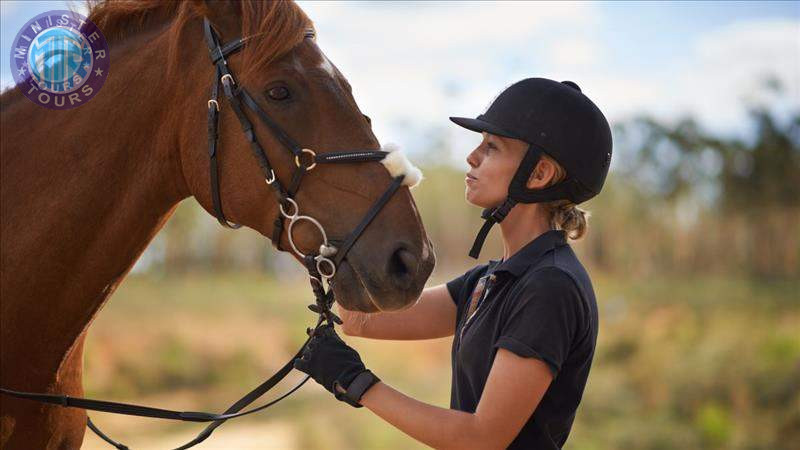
(470, 179)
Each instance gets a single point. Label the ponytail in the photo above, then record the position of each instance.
(565, 215)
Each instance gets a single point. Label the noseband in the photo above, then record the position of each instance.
(321, 265)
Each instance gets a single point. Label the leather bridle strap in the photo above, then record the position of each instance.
(237, 96)
(158, 413)
(373, 211)
(104, 436)
(187, 416)
(213, 136)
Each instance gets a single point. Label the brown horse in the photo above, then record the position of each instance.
(85, 190)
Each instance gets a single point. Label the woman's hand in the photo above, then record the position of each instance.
(336, 366)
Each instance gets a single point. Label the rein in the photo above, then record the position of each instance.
(321, 265)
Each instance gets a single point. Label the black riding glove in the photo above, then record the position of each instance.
(331, 363)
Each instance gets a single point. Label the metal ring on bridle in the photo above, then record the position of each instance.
(313, 155)
(213, 102)
(314, 221)
(321, 259)
(271, 180)
(229, 77)
(286, 215)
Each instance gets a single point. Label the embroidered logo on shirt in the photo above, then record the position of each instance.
(477, 293)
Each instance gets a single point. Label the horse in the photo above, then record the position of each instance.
(85, 190)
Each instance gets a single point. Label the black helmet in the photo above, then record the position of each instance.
(556, 119)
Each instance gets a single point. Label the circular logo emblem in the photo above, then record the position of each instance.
(59, 59)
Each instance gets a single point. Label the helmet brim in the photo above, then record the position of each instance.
(480, 126)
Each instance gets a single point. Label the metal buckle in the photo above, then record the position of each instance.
(313, 156)
(215, 103)
(272, 180)
(229, 77)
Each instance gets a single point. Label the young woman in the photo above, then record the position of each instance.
(525, 325)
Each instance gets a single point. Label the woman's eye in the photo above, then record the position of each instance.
(278, 93)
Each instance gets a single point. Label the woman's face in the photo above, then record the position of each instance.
(492, 166)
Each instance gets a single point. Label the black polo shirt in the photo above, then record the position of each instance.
(539, 303)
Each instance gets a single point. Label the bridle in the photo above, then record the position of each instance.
(288, 209)
(321, 265)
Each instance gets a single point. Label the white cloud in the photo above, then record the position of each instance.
(725, 68)
(576, 52)
(441, 25)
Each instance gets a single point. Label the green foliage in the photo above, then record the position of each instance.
(711, 202)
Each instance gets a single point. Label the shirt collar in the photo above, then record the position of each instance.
(530, 253)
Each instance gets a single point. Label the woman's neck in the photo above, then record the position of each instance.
(523, 224)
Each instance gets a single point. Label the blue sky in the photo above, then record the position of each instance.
(414, 64)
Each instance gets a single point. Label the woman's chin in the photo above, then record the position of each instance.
(470, 197)
(473, 199)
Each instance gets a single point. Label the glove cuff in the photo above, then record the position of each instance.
(357, 388)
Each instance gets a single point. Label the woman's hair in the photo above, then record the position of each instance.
(565, 215)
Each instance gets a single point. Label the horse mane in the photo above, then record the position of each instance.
(280, 25)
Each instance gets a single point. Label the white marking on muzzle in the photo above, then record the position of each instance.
(398, 164)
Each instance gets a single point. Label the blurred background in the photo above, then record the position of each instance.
(693, 246)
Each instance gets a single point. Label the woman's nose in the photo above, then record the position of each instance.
(472, 158)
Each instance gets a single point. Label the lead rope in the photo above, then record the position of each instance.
(323, 302)
(322, 307)
(103, 436)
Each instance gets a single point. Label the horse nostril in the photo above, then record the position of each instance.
(402, 265)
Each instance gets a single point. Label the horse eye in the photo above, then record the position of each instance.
(278, 93)
(369, 121)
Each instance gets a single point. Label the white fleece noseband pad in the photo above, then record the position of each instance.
(398, 164)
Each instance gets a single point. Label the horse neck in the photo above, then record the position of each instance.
(83, 193)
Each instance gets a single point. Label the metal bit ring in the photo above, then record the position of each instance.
(320, 260)
(285, 214)
(314, 221)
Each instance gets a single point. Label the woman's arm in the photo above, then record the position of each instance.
(513, 391)
(432, 316)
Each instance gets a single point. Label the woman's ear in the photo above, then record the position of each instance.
(542, 174)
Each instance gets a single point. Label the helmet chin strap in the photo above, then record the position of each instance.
(519, 193)
(491, 217)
